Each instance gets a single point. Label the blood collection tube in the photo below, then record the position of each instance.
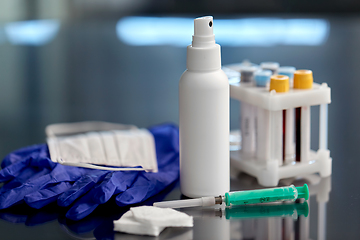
(247, 113)
(262, 79)
(272, 66)
(303, 79)
(289, 127)
(280, 84)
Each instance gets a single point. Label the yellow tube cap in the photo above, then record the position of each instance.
(303, 79)
(279, 83)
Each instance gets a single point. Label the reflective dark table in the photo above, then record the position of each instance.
(87, 72)
(286, 220)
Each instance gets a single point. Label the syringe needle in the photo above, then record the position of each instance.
(197, 202)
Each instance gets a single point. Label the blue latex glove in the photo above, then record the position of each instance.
(33, 177)
(35, 173)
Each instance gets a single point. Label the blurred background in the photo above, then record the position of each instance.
(121, 60)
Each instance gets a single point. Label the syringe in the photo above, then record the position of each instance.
(290, 193)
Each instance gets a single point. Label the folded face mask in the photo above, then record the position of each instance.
(101, 145)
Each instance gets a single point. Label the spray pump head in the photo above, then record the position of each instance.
(203, 32)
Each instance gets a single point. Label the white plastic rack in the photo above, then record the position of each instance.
(268, 163)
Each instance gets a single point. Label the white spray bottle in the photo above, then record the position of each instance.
(204, 117)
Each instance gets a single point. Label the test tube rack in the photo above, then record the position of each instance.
(267, 163)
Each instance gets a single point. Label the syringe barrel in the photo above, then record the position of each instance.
(261, 196)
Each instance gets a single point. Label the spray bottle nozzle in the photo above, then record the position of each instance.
(203, 32)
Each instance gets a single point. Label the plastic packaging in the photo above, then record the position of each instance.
(204, 117)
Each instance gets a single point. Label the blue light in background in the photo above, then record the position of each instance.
(145, 31)
(33, 32)
(142, 31)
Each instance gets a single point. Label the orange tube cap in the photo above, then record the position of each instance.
(303, 79)
(279, 83)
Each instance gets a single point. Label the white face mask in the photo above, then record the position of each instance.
(99, 145)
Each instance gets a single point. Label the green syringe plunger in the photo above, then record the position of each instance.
(290, 193)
